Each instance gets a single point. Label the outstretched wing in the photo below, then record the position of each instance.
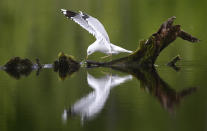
(78, 19)
(97, 26)
(89, 23)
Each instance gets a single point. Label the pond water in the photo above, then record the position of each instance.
(105, 99)
(102, 99)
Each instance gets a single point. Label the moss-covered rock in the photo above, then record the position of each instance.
(65, 65)
(17, 67)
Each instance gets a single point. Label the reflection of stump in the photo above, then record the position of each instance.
(149, 50)
(167, 96)
(152, 83)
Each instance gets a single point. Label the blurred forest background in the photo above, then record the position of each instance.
(37, 28)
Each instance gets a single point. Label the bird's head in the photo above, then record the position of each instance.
(90, 50)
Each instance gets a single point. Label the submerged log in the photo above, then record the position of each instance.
(148, 50)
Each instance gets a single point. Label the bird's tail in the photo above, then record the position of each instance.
(128, 51)
(118, 49)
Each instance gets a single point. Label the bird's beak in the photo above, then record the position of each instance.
(86, 57)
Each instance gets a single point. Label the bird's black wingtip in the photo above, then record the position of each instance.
(68, 13)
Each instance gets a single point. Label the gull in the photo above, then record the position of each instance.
(94, 27)
(89, 106)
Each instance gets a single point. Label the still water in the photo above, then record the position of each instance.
(102, 99)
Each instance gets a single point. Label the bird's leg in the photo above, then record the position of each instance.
(106, 56)
(111, 56)
(87, 57)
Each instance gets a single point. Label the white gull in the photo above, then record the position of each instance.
(94, 26)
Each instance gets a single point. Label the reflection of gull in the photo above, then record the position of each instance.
(89, 106)
(93, 26)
